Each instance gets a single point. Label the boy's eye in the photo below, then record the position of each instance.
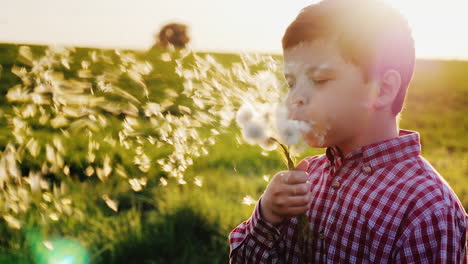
(321, 81)
(291, 81)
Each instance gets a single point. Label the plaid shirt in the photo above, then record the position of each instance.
(383, 203)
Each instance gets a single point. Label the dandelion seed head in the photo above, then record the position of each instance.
(253, 132)
(289, 131)
(268, 144)
(244, 115)
(288, 134)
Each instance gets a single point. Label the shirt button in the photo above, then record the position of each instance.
(335, 184)
(366, 169)
(321, 236)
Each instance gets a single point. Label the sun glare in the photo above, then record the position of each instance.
(437, 26)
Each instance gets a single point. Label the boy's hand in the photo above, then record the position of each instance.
(288, 194)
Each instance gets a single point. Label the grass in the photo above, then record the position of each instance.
(187, 223)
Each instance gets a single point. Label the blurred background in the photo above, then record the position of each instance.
(114, 151)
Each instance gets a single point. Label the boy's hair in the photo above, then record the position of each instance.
(369, 33)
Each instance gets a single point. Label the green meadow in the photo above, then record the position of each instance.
(178, 223)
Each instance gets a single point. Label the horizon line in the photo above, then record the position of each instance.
(202, 50)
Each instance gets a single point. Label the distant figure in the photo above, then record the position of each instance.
(172, 34)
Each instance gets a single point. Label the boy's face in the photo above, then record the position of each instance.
(327, 91)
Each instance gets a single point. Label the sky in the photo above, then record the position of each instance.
(440, 28)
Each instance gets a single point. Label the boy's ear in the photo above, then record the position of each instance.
(389, 85)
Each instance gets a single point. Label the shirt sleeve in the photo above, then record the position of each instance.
(440, 237)
(255, 240)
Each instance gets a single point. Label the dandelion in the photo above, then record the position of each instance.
(244, 115)
(253, 132)
(268, 144)
(289, 131)
(269, 131)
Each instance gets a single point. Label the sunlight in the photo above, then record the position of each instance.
(243, 25)
(437, 26)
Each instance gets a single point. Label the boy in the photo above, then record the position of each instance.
(372, 198)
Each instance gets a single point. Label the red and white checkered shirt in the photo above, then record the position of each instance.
(383, 203)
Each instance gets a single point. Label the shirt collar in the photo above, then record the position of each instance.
(377, 154)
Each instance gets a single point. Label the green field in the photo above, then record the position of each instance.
(174, 223)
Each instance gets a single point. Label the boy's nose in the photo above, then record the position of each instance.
(298, 101)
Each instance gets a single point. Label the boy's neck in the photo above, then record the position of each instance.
(375, 133)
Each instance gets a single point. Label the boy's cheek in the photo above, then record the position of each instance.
(317, 137)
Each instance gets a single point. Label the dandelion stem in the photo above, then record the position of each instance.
(303, 221)
(287, 154)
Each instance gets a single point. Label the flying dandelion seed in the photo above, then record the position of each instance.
(137, 185)
(48, 245)
(110, 203)
(198, 181)
(181, 181)
(53, 217)
(248, 200)
(34, 180)
(12, 222)
(116, 124)
(166, 57)
(163, 181)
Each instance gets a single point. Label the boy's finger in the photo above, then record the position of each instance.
(297, 201)
(293, 211)
(303, 165)
(298, 189)
(296, 177)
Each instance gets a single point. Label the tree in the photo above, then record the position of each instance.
(174, 34)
